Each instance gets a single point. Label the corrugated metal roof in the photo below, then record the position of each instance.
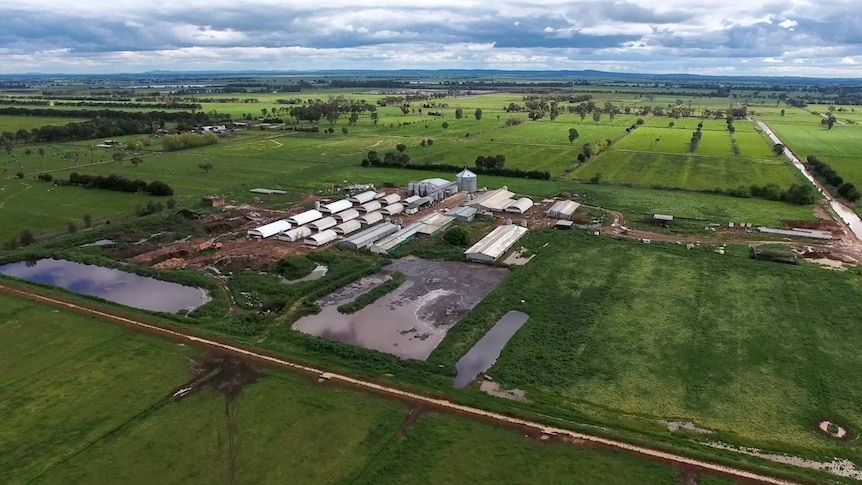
(347, 215)
(393, 209)
(437, 182)
(270, 229)
(797, 233)
(371, 218)
(496, 200)
(563, 209)
(496, 243)
(411, 199)
(390, 199)
(363, 197)
(662, 217)
(392, 241)
(463, 212)
(337, 206)
(520, 206)
(295, 234)
(370, 206)
(367, 237)
(305, 217)
(435, 222)
(348, 227)
(325, 223)
(322, 238)
(421, 201)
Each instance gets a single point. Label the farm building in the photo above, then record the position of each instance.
(347, 215)
(305, 217)
(366, 238)
(323, 224)
(267, 191)
(564, 224)
(363, 197)
(436, 188)
(466, 181)
(494, 200)
(520, 206)
(563, 209)
(270, 229)
(371, 218)
(321, 238)
(213, 201)
(369, 207)
(393, 241)
(662, 219)
(411, 199)
(435, 222)
(495, 244)
(295, 234)
(391, 210)
(463, 214)
(390, 199)
(348, 227)
(336, 207)
(797, 232)
(776, 255)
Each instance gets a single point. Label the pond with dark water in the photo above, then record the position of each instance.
(109, 284)
(410, 321)
(487, 350)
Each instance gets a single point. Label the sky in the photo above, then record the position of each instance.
(818, 38)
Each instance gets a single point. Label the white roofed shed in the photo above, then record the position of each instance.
(322, 238)
(520, 206)
(270, 229)
(336, 207)
(363, 197)
(295, 234)
(323, 224)
(496, 243)
(305, 217)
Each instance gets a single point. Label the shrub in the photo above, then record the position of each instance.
(457, 236)
(188, 140)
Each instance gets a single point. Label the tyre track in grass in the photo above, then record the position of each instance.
(523, 425)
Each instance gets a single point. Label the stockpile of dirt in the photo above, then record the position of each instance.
(172, 263)
(818, 225)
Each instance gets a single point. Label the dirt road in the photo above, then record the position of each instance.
(394, 393)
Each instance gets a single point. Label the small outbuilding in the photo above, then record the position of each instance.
(520, 206)
(466, 181)
(323, 224)
(305, 217)
(213, 201)
(563, 209)
(321, 238)
(662, 219)
(270, 229)
(463, 214)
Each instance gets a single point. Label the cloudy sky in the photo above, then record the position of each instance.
(820, 38)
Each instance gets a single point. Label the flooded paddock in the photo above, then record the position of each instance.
(412, 320)
(487, 350)
(110, 284)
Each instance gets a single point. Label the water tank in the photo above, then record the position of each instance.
(466, 181)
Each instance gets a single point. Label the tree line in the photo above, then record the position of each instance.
(119, 183)
(485, 165)
(99, 104)
(182, 141)
(827, 174)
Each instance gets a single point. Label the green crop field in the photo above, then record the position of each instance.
(15, 123)
(756, 351)
(86, 402)
(839, 147)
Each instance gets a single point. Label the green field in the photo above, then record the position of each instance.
(839, 147)
(15, 123)
(86, 402)
(756, 351)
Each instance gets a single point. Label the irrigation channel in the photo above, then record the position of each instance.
(845, 213)
(394, 393)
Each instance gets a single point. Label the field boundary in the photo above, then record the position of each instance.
(402, 395)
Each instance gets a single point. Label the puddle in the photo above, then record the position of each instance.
(838, 466)
(110, 284)
(412, 320)
(487, 350)
(318, 272)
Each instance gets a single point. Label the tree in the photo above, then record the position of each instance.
(344, 130)
(829, 121)
(445, 125)
(137, 161)
(573, 135)
(118, 157)
(171, 203)
(159, 188)
(26, 237)
(88, 220)
(459, 113)
(20, 175)
(28, 152)
(41, 152)
(423, 143)
(478, 114)
(595, 179)
(405, 109)
(206, 167)
(802, 194)
(597, 116)
(457, 236)
(401, 147)
(640, 121)
(778, 149)
(73, 228)
(587, 150)
(354, 117)
(671, 124)
(375, 117)
(782, 112)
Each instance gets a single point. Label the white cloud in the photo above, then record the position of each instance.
(848, 61)
(788, 24)
(772, 60)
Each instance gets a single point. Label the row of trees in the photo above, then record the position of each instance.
(488, 165)
(827, 174)
(459, 113)
(120, 184)
(801, 193)
(491, 162)
(114, 104)
(188, 140)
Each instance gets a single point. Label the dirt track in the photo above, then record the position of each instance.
(531, 427)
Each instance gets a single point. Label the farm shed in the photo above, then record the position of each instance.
(391, 210)
(393, 241)
(436, 188)
(796, 232)
(495, 200)
(347, 215)
(367, 237)
(213, 201)
(495, 244)
(369, 207)
(420, 203)
(390, 199)
(270, 229)
(663, 219)
(267, 191)
(434, 223)
(463, 214)
(371, 218)
(323, 224)
(295, 234)
(564, 224)
(322, 238)
(563, 209)
(520, 206)
(348, 227)
(411, 199)
(466, 181)
(305, 217)
(363, 197)
(336, 207)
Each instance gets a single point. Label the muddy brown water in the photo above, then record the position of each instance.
(110, 284)
(412, 320)
(487, 350)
